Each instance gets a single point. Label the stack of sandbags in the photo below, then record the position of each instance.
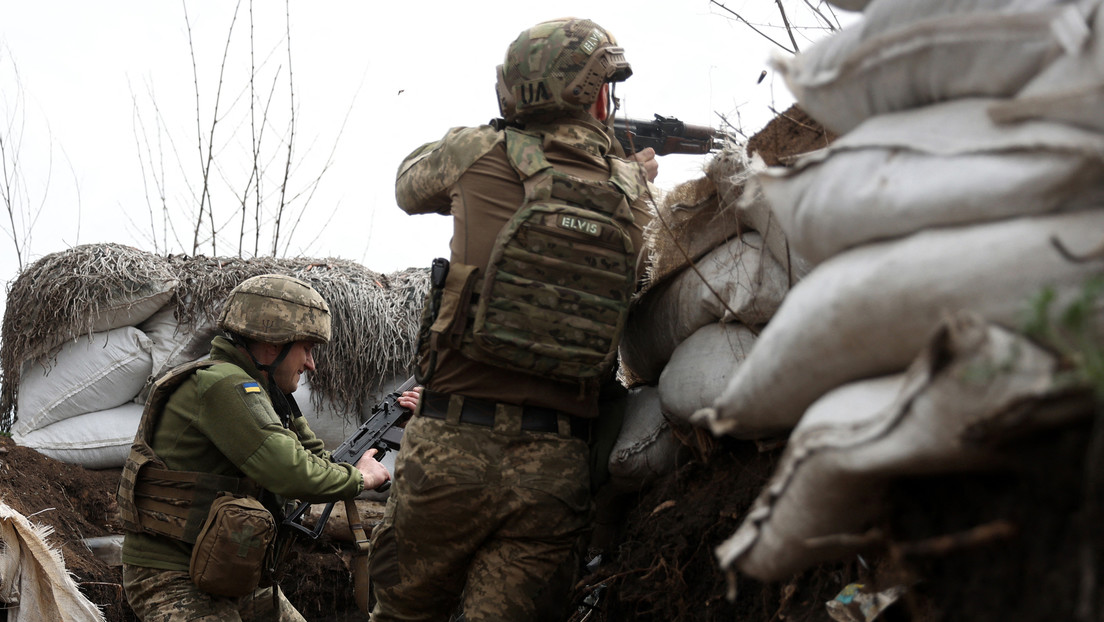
(87, 330)
(929, 204)
(717, 273)
(79, 406)
(972, 382)
(70, 329)
(922, 206)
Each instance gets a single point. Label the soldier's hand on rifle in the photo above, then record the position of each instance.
(409, 399)
(372, 470)
(647, 159)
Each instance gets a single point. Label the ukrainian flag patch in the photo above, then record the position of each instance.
(251, 387)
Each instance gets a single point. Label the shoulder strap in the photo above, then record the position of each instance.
(153, 498)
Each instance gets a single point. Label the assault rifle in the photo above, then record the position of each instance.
(380, 431)
(666, 135)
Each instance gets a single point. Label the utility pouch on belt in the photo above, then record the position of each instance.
(448, 327)
(230, 551)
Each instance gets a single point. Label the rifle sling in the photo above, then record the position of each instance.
(361, 545)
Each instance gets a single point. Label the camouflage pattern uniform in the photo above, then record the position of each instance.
(222, 420)
(170, 596)
(488, 517)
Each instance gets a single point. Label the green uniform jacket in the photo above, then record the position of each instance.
(221, 421)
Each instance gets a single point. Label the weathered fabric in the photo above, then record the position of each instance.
(170, 596)
(490, 518)
(482, 198)
(221, 421)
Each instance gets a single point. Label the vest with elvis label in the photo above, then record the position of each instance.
(554, 296)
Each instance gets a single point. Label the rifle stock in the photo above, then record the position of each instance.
(381, 432)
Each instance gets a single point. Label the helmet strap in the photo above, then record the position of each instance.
(613, 104)
(279, 400)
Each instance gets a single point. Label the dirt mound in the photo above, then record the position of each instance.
(79, 503)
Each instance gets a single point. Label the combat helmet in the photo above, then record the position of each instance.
(277, 309)
(557, 66)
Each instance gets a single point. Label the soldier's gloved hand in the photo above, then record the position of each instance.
(373, 471)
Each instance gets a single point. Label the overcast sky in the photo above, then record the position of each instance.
(98, 102)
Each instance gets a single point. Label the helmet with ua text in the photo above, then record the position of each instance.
(277, 309)
(558, 66)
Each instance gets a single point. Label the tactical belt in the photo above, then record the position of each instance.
(482, 413)
(176, 503)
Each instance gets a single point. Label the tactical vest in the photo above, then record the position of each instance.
(554, 296)
(155, 499)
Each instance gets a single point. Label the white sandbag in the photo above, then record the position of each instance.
(174, 344)
(741, 193)
(941, 165)
(736, 282)
(646, 447)
(830, 483)
(1069, 90)
(867, 312)
(87, 375)
(34, 583)
(701, 367)
(98, 440)
(906, 54)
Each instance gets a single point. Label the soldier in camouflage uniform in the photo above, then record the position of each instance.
(237, 419)
(491, 498)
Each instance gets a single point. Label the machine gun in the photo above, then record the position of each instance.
(379, 431)
(666, 135)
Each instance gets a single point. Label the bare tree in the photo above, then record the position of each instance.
(243, 195)
(20, 208)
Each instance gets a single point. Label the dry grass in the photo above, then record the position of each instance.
(58, 298)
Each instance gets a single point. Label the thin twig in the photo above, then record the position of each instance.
(749, 25)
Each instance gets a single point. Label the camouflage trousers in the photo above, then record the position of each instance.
(490, 519)
(170, 596)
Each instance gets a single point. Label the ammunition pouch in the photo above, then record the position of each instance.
(232, 548)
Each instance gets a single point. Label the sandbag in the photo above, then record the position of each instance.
(905, 54)
(832, 478)
(741, 193)
(173, 344)
(691, 221)
(34, 583)
(942, 165)
(736, 282)
(867, 312)
(646, 447)
(701, 367)
(87, 375)
(99, 440)
(1069, 90)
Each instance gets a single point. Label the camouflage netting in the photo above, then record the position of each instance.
(375, 316)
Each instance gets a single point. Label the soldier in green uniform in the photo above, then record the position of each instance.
(231, 425)
(491, 498)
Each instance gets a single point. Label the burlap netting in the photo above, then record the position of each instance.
(97, 287)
